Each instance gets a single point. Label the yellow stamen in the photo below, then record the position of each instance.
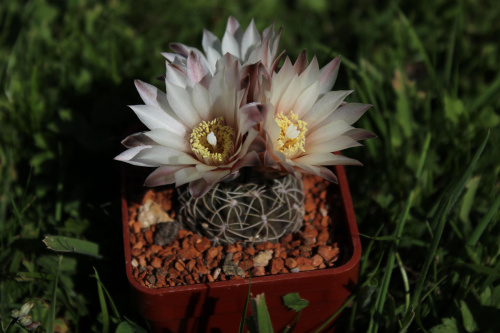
(212, 142)
(292, 138)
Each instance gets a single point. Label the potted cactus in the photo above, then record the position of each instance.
(237, 141)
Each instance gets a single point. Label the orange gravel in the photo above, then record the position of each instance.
(191, 258)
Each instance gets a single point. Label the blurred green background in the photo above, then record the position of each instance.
(430, 69)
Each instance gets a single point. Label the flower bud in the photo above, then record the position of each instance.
(25, 321)
(16, 313)
(33, 326)
(25, 309)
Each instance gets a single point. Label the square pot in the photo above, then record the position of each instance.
(217, 306)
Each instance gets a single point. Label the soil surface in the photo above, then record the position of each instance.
(191, 258)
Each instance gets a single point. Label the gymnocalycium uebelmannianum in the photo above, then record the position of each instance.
(235, 131)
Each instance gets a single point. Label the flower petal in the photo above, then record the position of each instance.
(163, 175)
(251, 38)
(327, 131)
(301, 63)
(153, 118)
(323, 107)
(136, 140)
(201, 101)
(328, 75)
(197, 69)
(320, 171)
(210, 41)
(326, 159)
(175, 76)
(160, 155)
(334, 144)
(250, 115)
(306, 100)
(186, 175)
(230, 45)
(151, 95)
(166, 138)
(180, 101)
(129, 155)
(310, 75)
(350, 113)
(360, 134)
(200, 187)
(249, 159)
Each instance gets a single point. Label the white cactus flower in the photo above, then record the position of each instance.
(305, 122)
(256, 53)
(198, 134)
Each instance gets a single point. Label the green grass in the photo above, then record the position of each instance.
(431, 256)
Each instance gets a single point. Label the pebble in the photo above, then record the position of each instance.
(262, 258)
(151, 213)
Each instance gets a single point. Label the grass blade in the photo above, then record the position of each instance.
(67, 244)
(446, 205)
(108, 296)
(241, 329)
(261, 314)
(52, 308)
(481, 227)
(381, 297)
(104, 306)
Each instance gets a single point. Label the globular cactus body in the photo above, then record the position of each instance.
(249, 209)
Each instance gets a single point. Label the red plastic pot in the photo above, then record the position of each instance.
(217, 306)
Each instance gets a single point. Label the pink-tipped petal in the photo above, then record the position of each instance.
(360, 134)
(301, 63)
(136, 140)
(195, 67)
(350, 113)
(175, 76)
(274, 65)
(233, 26)
(129, 155)
(250, 39)
(323, 107)
(328, 75)
(169, 56)
(151, 95)
(310, 74)
(181, 49)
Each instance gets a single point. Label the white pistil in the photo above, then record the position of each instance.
(212, 139)
(291, 133)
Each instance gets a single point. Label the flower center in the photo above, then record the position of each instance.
(212, 142)
(292, 138)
